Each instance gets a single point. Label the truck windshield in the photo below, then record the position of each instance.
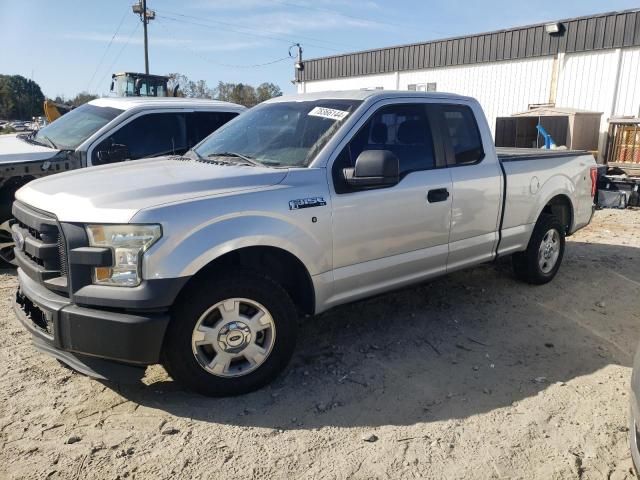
(73, 128)
(280, 134)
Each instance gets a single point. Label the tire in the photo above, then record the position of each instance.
(540, 262)
(6, 244)
(214, 345)
(6, 238)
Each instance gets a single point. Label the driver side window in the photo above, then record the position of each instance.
(402, 129)
(146, 136)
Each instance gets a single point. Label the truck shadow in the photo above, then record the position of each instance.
(465, 344)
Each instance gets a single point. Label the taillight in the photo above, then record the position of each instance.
(594, 180)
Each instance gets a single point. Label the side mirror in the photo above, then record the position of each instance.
(374, 168)
(115, 153)
(137, 86)
(112, 84)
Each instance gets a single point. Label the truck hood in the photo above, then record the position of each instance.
(115, 193)
(13, 150)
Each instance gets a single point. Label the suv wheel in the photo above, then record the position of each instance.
(540, 262)
(232, 336)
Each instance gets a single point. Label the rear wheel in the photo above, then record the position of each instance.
(231, 336)
(540, 262)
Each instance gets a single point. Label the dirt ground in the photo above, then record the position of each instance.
(474, 375)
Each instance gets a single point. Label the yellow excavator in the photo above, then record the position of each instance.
(54, 110)
(123, 84)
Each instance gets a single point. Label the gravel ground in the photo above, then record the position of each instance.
(474, 375)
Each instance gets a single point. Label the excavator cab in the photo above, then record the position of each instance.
(129, 84)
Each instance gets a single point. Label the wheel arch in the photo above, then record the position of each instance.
(560, 206)
(277, 263)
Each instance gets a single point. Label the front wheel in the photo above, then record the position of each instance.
(540, 262)
(6, 243)
(231, 336)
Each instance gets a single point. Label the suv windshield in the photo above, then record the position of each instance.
(280, 134)
(73, 128)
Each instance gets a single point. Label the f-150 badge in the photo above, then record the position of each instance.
(306, 203)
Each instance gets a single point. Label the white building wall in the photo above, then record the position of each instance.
(628, 101)
(502, 88)
(606, 81)
(387, 81)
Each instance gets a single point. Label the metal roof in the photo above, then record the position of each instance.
(582, 34)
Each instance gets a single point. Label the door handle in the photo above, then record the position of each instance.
(437, 195)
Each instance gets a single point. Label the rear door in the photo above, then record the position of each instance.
(477, 187)
(386, 237)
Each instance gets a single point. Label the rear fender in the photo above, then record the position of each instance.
(556, 185)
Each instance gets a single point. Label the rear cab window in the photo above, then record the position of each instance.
(462, 139)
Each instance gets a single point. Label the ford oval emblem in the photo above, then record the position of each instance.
(18, 238)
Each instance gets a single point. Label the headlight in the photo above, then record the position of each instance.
(128, 243)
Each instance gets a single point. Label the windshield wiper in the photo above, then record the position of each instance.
(49, 141)
(245, 159)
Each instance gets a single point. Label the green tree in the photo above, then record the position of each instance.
(237, 93)
(82, 98)
(241, 93)
(20, 98)
(266, 90)
(177, 80)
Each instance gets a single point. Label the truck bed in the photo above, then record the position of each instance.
(511, 154)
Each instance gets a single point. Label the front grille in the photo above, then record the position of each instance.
(39, 318)
(41, 253)
(62, 255)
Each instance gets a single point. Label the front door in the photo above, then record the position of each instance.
(387, 237)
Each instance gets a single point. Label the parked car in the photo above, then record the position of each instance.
(106, 130)
(19, 126)
(204, 262)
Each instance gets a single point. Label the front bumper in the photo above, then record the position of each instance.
(101, 343)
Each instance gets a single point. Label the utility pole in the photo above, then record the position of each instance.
(146, 16)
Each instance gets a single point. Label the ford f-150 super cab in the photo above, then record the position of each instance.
(105, 130)
(204, 262)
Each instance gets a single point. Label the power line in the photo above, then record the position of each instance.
(199, 55)
(252, 34)
(261, 29)
(135, 29)
(104, 54)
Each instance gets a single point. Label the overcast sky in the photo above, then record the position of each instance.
(69, 46)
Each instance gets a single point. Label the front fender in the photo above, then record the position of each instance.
(185, 254)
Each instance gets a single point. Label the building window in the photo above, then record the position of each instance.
(422, 87)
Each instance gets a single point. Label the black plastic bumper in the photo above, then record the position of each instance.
(85, 337)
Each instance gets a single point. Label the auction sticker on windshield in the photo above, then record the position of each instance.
(328, 113)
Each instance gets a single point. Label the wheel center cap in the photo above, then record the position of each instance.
(234, 337)
(548, 251)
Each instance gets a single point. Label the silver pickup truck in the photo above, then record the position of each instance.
(204, 262)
